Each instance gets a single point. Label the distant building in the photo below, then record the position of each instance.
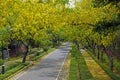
(16, 48)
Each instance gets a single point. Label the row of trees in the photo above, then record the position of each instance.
(93, 26)
(97, 27)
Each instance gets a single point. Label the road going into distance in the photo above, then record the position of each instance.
(49, 67)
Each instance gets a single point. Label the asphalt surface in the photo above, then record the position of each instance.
(49, 67)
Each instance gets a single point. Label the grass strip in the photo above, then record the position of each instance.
(73, 69)
(78, 67)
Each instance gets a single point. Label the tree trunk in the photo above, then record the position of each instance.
(98, 55)
(110, 57)
(39, 47)
(25, 55)
(111, 63)
(93, 48)
(54, 42)
(101, 57)
(8, 53)
(102, 53)
(77, 43)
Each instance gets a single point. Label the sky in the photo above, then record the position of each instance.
(72, 3)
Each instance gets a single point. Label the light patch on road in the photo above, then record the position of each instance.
(19, 76)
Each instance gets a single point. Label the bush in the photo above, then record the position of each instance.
(1, 61)
(117, 65)
(12, 66)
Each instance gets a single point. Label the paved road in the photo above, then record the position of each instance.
(49, 67)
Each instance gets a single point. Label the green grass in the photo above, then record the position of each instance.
(73, 69)
(78, 67)
(1, 61)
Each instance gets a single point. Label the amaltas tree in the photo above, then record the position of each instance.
(96, 27)
(29, 20)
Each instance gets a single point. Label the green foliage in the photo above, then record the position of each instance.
(103, 26)
(45, 44)
(61, 1)
(99, 3)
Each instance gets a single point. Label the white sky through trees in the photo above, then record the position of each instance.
(71, 3)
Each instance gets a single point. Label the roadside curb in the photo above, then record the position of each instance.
(23, 69)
